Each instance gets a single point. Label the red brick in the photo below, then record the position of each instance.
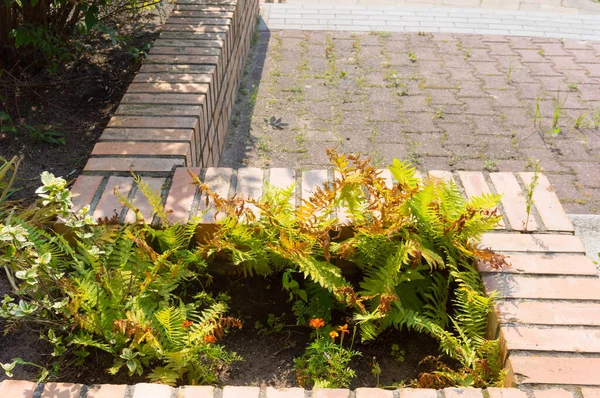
(505, 393)
(147, 134)
(165, 87)
(165, 135)
(250, 184)
(163, 50)
(545, 264)
(136, 164)
(218, 180)
(173, 78)
(562, 339)
(182, 59)
(109, 204)
(373, 393)
(181, 196)
(84, 189)
(553, 393)
(107, 391)
(281, 177)
(475, 185)
(196, 392)
(441, 175)
(202, 13)
(417, 393)
(141, 109)
(331, 393)
(179, 122)
(62, 390)
(513, 201)
(564, 288)
(198, 21)
(176, 68)
(146, 390)
(589, 392)
(548, 313)
(164, 41)
(387, 176)
(240, 392)
(293, 392)
(158, 149)
(165, 98)
(310, 180)
(141, 202)
(532, 243)
(547, 204)
(17, 389)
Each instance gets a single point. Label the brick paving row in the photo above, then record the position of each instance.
(373, 17)
(442, 101)
(24, 389)
(555, 6)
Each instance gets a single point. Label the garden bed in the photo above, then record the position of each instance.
(267, 351)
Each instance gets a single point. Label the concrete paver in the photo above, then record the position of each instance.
(442, 101)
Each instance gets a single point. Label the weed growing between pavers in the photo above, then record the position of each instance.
(140, 294)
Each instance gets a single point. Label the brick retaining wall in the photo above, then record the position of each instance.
(548, 308)
(176, 110)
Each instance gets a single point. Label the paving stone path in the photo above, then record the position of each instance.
(333, 16)
(560, 6)
(443, 101)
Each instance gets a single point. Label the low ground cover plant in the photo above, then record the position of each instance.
(401, 257)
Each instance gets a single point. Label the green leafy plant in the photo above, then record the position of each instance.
(412, 57)
(537, 115)
(110, 288)
(530, 188)
(325, 363)
(412, 244)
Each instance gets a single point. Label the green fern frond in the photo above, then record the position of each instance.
(154, 198)
(171, 319)
(404, 173)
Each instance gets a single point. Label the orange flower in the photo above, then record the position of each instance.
(333, 334)
(316, 323)
(210, 339)
(343, 329)
(186, 324)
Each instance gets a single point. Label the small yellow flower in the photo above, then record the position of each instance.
(344, 329)
(333, 334)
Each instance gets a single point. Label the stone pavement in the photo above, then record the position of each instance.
(317, 16)
(442, 101)
(559, 6)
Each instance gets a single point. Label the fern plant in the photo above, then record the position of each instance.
(113, 288)
(415, 245)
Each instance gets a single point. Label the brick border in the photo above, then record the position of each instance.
(27, 389)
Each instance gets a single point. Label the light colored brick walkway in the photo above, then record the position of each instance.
(326, 16)
(557, 6)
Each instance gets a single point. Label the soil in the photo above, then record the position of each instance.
(267, 355)
(77, 101)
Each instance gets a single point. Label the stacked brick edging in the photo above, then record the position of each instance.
(548, 307)
(26, 389)
(177, 109)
